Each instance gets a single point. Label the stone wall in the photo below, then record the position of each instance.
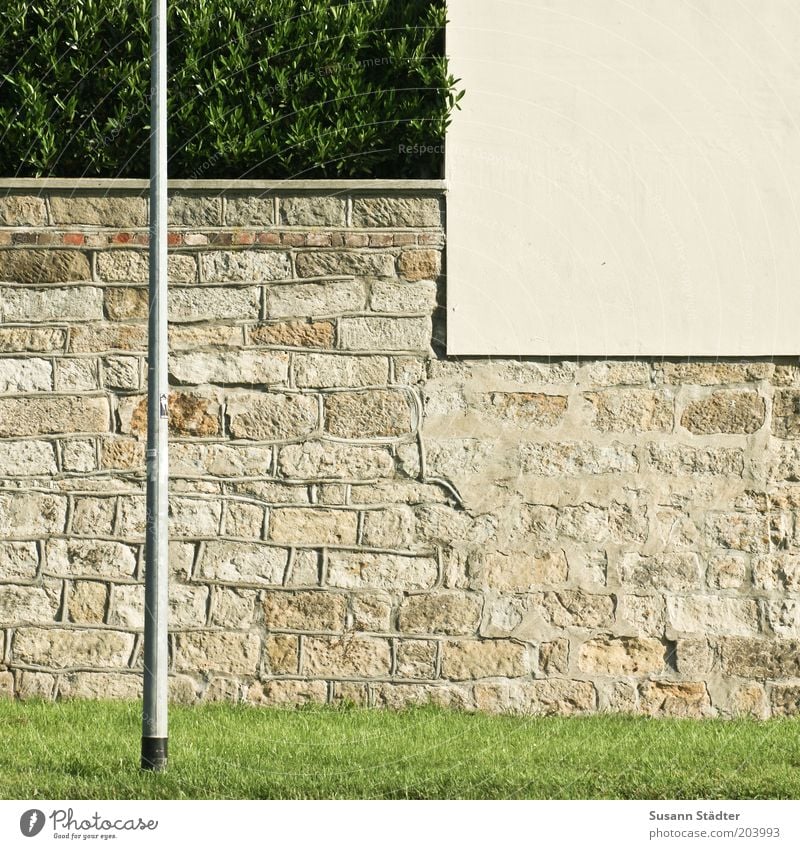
(355, 516)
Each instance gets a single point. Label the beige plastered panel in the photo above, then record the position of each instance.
(623, 177)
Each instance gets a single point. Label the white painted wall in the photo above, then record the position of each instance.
(623, 177)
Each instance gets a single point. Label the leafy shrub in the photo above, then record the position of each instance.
(257, 88)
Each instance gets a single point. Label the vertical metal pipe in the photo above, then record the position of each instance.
(154, 714)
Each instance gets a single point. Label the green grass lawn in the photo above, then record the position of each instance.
(78, 750)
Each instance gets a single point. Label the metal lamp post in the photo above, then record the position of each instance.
(154, 714)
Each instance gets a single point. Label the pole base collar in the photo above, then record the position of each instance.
(154, 753)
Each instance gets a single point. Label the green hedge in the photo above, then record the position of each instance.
(257, 88)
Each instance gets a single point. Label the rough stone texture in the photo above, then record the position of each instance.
(441, 613)
(272, 417)
(521, 535)
(469, 659)
(294, 334)
(725, 412)
(218, 651)
(312, 211)
(346, 657)
(62, 648)
(36, 267)
(305, 611)
(621, 656)
(364, 415)
(298, 526)
(352, 570)
(397, 212)
(248, 266)
(237, 368)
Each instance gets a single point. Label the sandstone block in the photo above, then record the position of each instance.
(20, 210)
(21, 458)
(194, 517)
(633, 410)
(249, 210)
(294, 334)
(326, 371)
(760, 658)
(520, 571)
(738, 531)
(397, 212)
(250, 266)
(94, 338)
(645, 614)
(232, 608)
(35, 685)
(687, 460)
(621, 656)
(725, 412)
(554, 657)
(29, 605)
(362, 570)
(77, 375)
(331, 461)
(346, 657)
(121, 373)
(189, 414)
(388, 296)
(785, 700)
(37, 267)
(525, 409)
(239, 367)
(664, 698)
(272, 416)
(713, 615)
(390, 528)
(187, 606)
(19, 561)
(90, 559)
(6, 685)
(783, 617)
(416, 659)
(305, 611)
(244, 520)
(371, 611)
(678, 571)
(34, 339)
(87, 602)
(31, 416)
(726, 572)
(227, 652)
(100, 685)
(444, 695)
(503, 616)
(220, 460)
(577, 609)
(124, 266)
(470, 659)
(282, 654)
(308, 211)
(195, 210)
(192, 337)
(293, 693)
(709, 373)
(214, 303)
(369, 414)
(315, 299)
(77, 303)
(693, 657)
(25, 375)
(779, 571)
(306, 526)
(92, 516)
(61, 648)
(385, 334)
(244, 563)
(572, 459)
(345, 264)
(786, 413)
(32, 514)
(453, 613)
(98, 210)
(555, 696)
(126, 302)
(420, 264)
